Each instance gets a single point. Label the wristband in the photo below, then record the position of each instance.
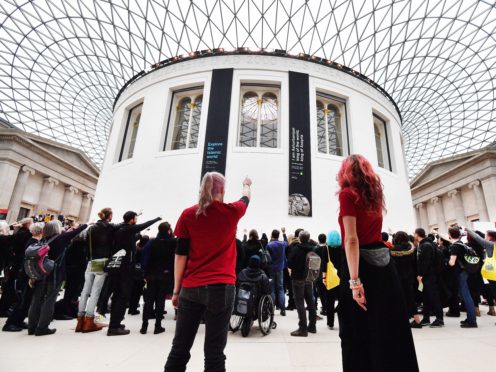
(175, 293)
(355, 283)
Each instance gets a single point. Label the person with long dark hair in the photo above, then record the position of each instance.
(374, 329)
(205, 272)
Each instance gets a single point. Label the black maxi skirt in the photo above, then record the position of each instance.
(379, 339)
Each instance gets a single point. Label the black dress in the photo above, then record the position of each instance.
(379, 339)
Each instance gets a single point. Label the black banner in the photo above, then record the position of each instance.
(300, 172)
(215, 150)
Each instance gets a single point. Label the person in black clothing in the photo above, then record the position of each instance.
(254, 274)
(158, 266)
(475, 281)
(449, 278)
(404, 255)
(45, 291)
(319, 285)
(427, 275)
(139, 278)
(121, 279)
(16, 276)
(264, 240)
(240, 256)
(302, 289)
(15, 321)
(252, 246)
(288, 284)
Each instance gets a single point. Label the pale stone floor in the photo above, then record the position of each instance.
(449, 349)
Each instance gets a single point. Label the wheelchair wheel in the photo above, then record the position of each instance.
(246, 327)
(266, 314)
(235, 322)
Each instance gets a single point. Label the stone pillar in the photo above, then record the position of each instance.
(46, 194)
(68, 199)
(489, 189)
(423, 217)
(441, 219)
(84, 212)
(8, 178)
(456, 196)
(17, 194)
(481, 201)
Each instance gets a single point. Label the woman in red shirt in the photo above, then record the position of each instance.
(374, 329)
(205, 272)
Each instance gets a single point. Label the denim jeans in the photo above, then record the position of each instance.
(214, 304)
(278, 289)
(93, 283)
(303, 292)
(467, 297)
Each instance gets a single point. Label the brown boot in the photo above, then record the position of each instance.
(79, 326)
(477, 311)
(491, 311)
(90, 326)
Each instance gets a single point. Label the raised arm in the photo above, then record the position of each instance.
(486, 244)
(140, 227)
(247, 188)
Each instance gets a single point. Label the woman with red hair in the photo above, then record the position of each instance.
(374, 329)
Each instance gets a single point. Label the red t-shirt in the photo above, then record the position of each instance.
(368, 225)
(212, 243)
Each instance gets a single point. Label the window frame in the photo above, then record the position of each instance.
(389, 165)
(128, 112)
(260, 88)
(345, 133)
(177, 94)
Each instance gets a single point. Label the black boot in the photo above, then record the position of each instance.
(144, 328)
(158, 328)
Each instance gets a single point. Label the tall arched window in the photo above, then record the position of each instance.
(330, 121)
(382, 143)
(131, 132)
(186, 116)
(259, 118)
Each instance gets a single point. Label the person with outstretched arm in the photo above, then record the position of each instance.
(205, 272)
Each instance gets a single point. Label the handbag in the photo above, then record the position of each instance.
(488, 270)
(332, 278)
(97, 266)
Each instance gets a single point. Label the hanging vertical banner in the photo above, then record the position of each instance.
(300, 174)
(215, 149)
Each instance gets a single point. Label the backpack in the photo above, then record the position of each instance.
(471, 262)
(438, 259)
(265, 258)
(37, 265)
(245, 297)
(312, 266)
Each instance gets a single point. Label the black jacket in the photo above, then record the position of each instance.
(19, 240)
(336, 254)
(405, 257)
(426, 257)
(251, 247)
(100, 237)
(297, 260)
(256, 276)
(126, 237)
(158, 257)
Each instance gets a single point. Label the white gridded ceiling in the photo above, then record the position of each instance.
(63, 62)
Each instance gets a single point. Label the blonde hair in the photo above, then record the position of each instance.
(212, 185)
(105, 213)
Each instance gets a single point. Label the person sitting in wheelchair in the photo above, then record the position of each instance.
(253, 283)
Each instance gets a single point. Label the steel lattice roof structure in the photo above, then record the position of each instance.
(62, 62)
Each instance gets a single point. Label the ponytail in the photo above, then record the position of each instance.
(212, 184)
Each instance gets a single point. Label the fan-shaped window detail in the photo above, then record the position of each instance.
(259, 119)
(130, 133)
(331, 123)
(186, 116)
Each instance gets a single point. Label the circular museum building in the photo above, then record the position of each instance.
(287, 121)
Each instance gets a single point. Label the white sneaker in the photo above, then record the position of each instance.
(100, 319)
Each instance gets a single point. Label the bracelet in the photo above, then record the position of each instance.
(175, 293)
(355, 283)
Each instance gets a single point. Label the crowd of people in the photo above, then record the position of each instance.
(385, 278)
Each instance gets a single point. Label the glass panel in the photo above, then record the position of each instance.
(334, 130)
(131, 133)
(134, 133)
(195, 122)
(269, 115)
(321, 128)
(180, 134)
(378, 146)
(249, 119)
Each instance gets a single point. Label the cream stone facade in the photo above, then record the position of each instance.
(457, 190)
(39, 176)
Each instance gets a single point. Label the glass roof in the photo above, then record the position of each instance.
(62, 62)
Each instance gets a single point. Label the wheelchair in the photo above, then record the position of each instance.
(261, 310)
